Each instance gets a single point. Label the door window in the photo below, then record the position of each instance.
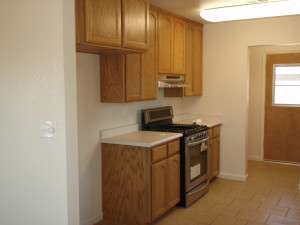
(286, 85)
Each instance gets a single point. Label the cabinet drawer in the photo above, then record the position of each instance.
(173, 147)
(159, 152)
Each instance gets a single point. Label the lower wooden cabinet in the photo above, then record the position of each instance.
(165, 185)
(139, 183)
(214, 151)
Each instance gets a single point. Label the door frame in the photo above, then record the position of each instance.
(266, 50)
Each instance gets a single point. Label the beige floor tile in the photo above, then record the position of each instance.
(252, 223)
(245, 204)
(273, 209)
(266, 199)
(295, 204)
(294, 214)
(202, 205)
(225, 220)
(283, 194)
(225, 210)
(258, 189)
(282, 220)
(225, 200)
(234, 193)
(253, 216)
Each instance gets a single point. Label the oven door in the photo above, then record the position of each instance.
(196, 165)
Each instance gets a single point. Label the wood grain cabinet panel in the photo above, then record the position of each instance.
(137, 187)
(178, 46)
(150, 64)
(159, 187)
(130, 77)
(107, 26)
(165, 43)
(171, 44)
(173, 180)
(135, 23)
(214, 151)
(194, 59)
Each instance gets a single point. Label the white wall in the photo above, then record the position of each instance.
(257, 67)
(38, 182)
(226, 79)
(94, 116)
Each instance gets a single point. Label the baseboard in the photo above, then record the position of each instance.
(231, 176)
(94, 220)
(253, 157)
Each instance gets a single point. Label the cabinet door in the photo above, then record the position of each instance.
(134, 77)
(178, 46)
(150, 77)
(165, 43)
(214, 148)
(189, 58)
(112, 78)
(198, 49)
(173, 180)
(159, 185)
(103, 22)
(135, 23)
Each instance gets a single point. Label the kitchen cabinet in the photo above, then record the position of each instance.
(194, 60)
(130, 77)
(193, 63)
(112, 25)
(166, 180)
(139, 183)
(171, 44)
(214, 151)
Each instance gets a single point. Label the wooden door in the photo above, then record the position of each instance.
(134, 77)
(165, 43)
(198, 65)
(178, 46)
(282, 123)
(189, 58)
(135, 15)
(103, 21)
(159, 186)
(150, 72)
(173, 181)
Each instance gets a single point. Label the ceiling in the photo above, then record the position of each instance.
(191, 8)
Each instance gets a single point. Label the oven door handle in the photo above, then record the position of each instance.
(197, 142)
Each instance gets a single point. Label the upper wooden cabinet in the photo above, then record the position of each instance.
(171, 44)
(194, 59)
(130, 77)
(112, 25)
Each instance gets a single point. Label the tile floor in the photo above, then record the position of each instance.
(269, 196)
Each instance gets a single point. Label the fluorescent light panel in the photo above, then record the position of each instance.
(252, 11)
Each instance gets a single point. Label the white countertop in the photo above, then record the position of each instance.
(209, 123)
(142, 138)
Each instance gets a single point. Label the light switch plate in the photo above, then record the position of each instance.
(48, 129)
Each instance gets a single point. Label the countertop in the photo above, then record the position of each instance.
(209, 123)
(142, 138)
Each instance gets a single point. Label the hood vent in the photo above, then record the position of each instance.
(171, 81)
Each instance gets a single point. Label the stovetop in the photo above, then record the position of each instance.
(185, 129)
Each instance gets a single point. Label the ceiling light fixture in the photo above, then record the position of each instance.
(252, 11)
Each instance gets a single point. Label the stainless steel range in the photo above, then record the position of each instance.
(193, 151)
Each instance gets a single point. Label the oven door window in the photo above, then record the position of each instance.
(198, 162)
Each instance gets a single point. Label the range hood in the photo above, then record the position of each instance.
(171, 81)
